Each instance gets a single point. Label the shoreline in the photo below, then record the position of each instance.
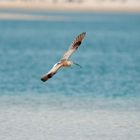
(72, 7)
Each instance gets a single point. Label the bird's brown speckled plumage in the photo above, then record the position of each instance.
(64, 62)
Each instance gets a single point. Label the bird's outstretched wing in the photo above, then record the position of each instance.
(74, 46)
(52, 72)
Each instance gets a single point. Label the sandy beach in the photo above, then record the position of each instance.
(114, 7)
(85, 7)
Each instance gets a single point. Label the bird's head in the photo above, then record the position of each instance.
(69, 62)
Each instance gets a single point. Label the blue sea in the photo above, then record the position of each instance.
(99, 101)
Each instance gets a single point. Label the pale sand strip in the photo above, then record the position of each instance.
(87, 7)
(20, 16)
(15, 16)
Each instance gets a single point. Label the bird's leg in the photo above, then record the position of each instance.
(77, 64)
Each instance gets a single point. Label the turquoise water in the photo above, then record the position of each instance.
(109, 55)
(98, 101)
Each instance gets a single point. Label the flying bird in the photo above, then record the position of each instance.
(64, 61)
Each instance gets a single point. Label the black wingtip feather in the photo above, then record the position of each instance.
(84, 33)
(42, 79)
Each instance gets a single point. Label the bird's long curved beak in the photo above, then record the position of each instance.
(77, 64)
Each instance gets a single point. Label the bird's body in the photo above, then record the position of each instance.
(64, 62)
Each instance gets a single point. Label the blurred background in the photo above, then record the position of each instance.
(76, 5)
(101, 100)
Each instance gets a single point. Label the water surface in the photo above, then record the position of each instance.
(77, 103)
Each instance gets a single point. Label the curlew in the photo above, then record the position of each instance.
(64, 61)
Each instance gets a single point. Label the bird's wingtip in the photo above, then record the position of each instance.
(84, 33)
(42, 79)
